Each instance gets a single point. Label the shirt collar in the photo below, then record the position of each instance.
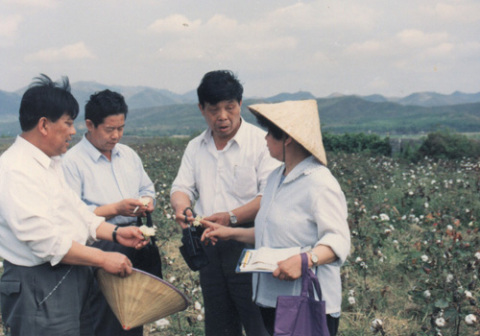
(36, 152)
(93, 152)
(305, 167)
(239, 137)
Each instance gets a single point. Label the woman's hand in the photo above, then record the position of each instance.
(213, 232)
(289, 269)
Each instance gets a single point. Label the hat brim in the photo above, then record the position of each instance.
(299, 119)
(140, 298)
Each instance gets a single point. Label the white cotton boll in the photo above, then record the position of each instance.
(384, 217)
(359, 259)
(470, 319)
(424, 258)
(351, 300)
(162, 324)
(147, 231)
(468, 294)
(449, 228)
(172, 279)
(440, 322)
(199, 317)
(198, 305)
(427, 294)
(449, 278)
(169, 216)
(477, 255)
(376, 324)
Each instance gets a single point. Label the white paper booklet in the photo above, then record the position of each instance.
(264, 259)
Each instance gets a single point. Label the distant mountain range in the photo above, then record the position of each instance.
(162, 112)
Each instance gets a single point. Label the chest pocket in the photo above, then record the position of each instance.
(245, 181)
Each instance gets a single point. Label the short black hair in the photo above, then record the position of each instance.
(103, 104)
(219, 85)
(273, 129)
(46, 98)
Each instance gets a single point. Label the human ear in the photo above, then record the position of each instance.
(42, 126)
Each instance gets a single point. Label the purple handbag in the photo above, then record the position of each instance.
(302, 315)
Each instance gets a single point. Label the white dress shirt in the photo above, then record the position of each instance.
(40, 216)
(222, 180)
(99, 181)
(306, 209)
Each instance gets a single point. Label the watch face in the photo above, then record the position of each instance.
(314, 258)
(233, 219)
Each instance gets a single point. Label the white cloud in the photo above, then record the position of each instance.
(173, 24)
(418, 38)
(9, 25)
(70, 52)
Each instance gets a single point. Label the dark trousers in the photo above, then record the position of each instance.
(268, 316)
(228, 296)
(46, 300)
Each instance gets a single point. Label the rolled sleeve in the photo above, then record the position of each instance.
(62, 248)
(330, 212)
(185, 179)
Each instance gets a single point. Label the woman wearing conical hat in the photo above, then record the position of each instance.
(302, 206)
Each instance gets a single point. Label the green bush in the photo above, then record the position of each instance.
(446, 145)
(357, 143)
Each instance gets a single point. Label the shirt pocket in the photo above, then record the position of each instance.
(10, 287)
(245, 181)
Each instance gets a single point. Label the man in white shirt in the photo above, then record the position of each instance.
(109, 177)
(44, 226)
(224, 171)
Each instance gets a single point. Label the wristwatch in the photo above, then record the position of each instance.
(233, 218)
(314, 258)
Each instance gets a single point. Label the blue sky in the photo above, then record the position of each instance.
(363, 47)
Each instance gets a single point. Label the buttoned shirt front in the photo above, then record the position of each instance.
(99, 181)
(222, 180)
(40, 215)
(306, 209)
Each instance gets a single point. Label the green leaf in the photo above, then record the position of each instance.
(441, 303)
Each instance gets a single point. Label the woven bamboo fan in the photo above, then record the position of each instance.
(140, 298)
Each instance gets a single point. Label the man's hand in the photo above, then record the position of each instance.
(222, 218)
(117, 263)
(131, 236)
(131, 207)
(181, 219)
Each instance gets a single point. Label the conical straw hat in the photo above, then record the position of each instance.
(140, 298)
(300, 120)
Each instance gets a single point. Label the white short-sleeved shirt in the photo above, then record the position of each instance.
(222, 180)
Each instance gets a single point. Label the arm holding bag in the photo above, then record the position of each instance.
(302, 315)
